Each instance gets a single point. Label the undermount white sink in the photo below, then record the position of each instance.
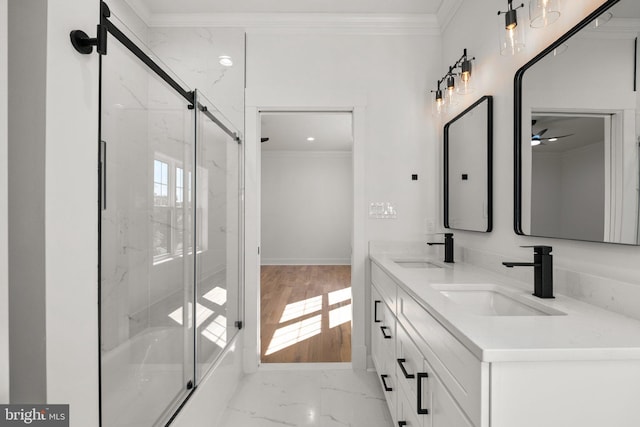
(416, 264)
(492, 300)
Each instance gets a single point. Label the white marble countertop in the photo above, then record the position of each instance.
(584, 332)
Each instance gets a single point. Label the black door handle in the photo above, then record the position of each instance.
(402, 423)
(421, 410)
(404, 370)
(384, 383)
(384, 328)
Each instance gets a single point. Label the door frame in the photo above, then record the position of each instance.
(308, 100)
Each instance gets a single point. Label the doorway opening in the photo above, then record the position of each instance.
(306, 193)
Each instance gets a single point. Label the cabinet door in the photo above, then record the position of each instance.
(406, 410)
(445, 412)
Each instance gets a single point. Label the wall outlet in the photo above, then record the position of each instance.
(382, 210)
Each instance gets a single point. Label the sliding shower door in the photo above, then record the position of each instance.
(217, 235)
(170, 235)
(147, 243)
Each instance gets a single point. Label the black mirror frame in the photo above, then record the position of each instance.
(489, 100)
(517, 111)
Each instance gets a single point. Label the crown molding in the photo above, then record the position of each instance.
(296, 154)
(446, 12)
(140, 9)
(422, 24)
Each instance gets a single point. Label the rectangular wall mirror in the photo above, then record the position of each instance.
(468, 145)
(577, 123)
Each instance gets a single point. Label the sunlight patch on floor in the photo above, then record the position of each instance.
(216, 331)
(216, 295)
(339, 296)
(301, 308)
(202, 314)
(294, 333)
(339, 315)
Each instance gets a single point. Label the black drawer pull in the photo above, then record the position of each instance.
(384, 328)
(402, 423)
(375, 311)
(421, 410)
(384, 383)
(403, 369)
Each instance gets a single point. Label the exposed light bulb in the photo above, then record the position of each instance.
(535, 142)
(310, 139)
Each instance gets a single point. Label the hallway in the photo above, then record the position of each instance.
(305, 313)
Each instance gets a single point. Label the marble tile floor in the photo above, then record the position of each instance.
(326, 398)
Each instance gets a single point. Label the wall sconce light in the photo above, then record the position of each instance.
(438, 106)
(457, 81)
(511, 34)
(543, 12)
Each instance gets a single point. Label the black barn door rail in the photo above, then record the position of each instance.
(84, 44)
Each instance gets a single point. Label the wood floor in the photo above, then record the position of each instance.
(305, 313)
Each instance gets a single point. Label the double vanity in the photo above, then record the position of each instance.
(456, 345)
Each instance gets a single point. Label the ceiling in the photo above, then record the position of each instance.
(583, 130)
(287, 6)
(289, 131)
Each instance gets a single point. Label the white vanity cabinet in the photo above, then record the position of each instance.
(437, 381)
(414, 370)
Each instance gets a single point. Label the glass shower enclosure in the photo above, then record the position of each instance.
(170, 235)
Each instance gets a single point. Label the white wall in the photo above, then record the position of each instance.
(545, 195)
(307, 206)
(385, 75)
(494, 75)
(4, 273)
(566, 185)
(71, 213)
(395, 72)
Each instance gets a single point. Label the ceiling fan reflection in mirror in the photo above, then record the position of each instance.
(538, 137)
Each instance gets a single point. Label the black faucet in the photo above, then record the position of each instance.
(448, 246)
(543, 270)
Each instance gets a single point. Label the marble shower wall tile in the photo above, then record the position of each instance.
(193, 54)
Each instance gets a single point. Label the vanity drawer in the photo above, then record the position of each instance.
(385, 284)
(383, 329)
(459, 370)
(409, 357)
(389, 384)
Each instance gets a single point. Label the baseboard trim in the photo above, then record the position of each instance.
(306, 261)
(321, 366)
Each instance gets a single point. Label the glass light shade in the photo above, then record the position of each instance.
(512, 40)
(543, 12)
(450, 97)
(464, 86)
(438, 106)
